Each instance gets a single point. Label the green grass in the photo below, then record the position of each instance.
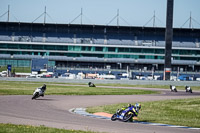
(183, 112)
(17, 69)
(27, 88)
(151, 86)
(11, 128)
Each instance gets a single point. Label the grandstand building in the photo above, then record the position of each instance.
(97, 46)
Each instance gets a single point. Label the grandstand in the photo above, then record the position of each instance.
(97, 46)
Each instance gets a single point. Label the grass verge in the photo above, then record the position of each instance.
(17, 69)
(11, 128)
(183, 112)
(27, 88)
(151, 86)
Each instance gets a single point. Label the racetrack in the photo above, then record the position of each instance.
(52, 111)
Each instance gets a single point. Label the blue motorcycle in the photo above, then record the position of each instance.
(125, 114)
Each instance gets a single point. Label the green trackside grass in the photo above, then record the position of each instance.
(17, 69)
(182, 112)
(27, 88)
(11, 128)
(119, 85)
(151, 86)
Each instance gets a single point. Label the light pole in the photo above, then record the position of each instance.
(168, 39)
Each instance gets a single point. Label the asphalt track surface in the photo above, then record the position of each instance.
(53, 111)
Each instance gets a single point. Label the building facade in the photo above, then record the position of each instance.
(97, 46)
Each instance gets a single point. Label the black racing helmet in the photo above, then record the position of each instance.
(44, 86)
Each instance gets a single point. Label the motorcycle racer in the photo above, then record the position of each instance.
(39, 92)
(43, 89)
(137, 107)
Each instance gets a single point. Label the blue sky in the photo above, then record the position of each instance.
(101, 12)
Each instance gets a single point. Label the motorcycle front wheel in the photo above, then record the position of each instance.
(35, 95)
(114, 117)
(127, 117)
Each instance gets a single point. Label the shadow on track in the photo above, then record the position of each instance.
(47, 99)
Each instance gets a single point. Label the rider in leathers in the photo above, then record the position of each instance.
(137, 107)
(43, 89)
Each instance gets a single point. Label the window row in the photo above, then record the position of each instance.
(97, 49)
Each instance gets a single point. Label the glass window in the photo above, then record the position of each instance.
(160, 57)
(65, 48)
(126, 56)
(134, 56)
(127, 49)
(2, 62)
(37, 46)
(24, 63)
(99, 48)
(14, 46)
(183, 52)
(124, 50)
(148, 51)
(3, 46)
(24, 46)
(49, 47)
(175, 51)
(159, 51)
(77, 48)
(135, 50)
(70, 48)
(111, 56)
(149, 57)
(121, 50)
(105, 49)
(93, 49)
(141, 56)
(110, 49)
(85, 48)
(188, 52)
(26, 53)
(51, 63)
(188, 58)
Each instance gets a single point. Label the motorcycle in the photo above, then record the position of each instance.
(39, 92)
(188, 89)
(91, 84)
(173, 88)
(124, 114)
